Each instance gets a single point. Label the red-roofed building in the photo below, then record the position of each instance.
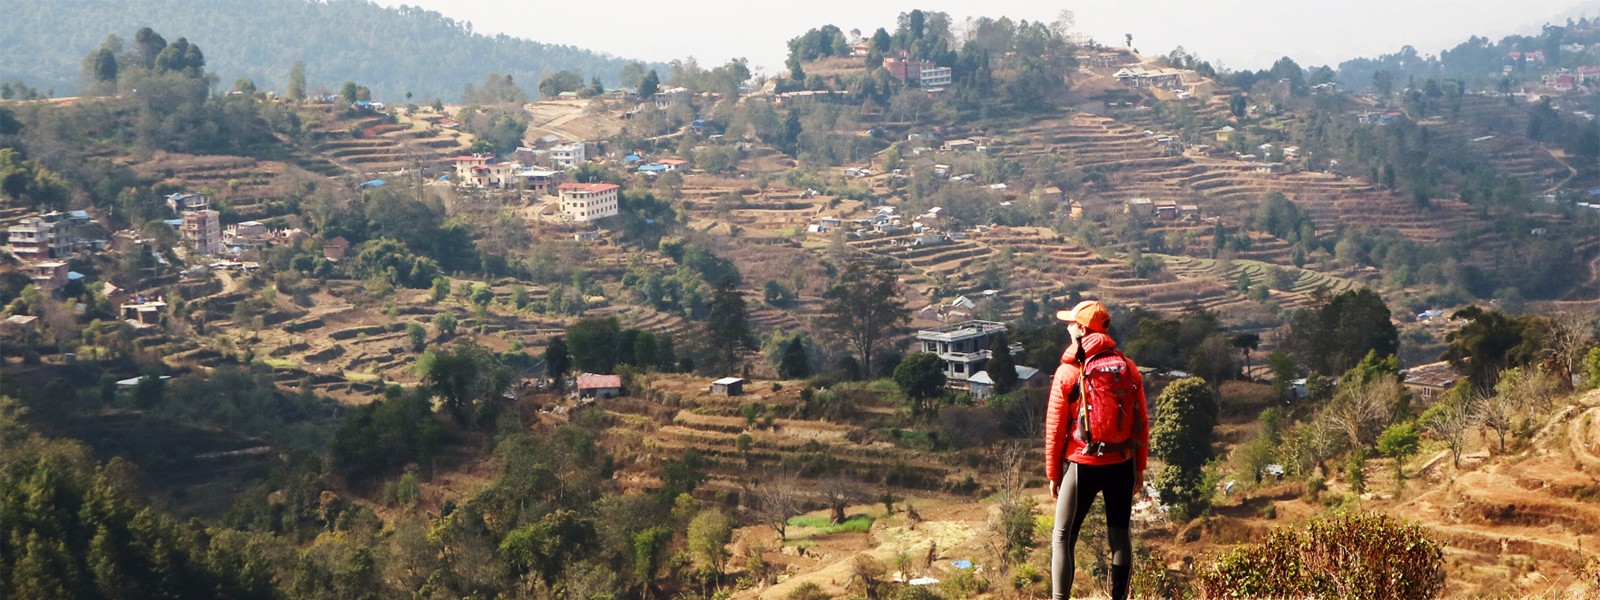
(585, 202)
(465, 164)
(674, 164)
(599, 386)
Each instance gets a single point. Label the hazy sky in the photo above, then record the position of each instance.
(1238, 33)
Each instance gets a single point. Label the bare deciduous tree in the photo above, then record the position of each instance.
(1450, 424)
(1569, 337)
(777, 499)
(1362, 409)
(840, 494)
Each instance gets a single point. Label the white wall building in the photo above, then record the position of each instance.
(585, 202)
(567, 155)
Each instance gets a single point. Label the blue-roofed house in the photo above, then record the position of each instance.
(372, 184)
(653, 169)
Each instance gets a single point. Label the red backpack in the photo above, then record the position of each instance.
(1106, 395)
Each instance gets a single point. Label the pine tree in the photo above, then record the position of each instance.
(727, 326)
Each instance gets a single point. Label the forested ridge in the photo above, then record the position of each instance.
(393, 51)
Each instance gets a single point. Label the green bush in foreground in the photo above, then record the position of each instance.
(1363, 555)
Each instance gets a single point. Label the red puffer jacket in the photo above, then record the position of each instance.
(1063, 410)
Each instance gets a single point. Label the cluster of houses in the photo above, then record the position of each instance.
(1167, 79)
(577, 202)
(44, 243)
(1567, 80)
(1166, 210)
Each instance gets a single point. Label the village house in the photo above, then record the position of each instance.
(539, 182)
(861, 48)
(1427, 382)
(202, 229)
(48, 275)
(245, 235)
(1049, 194)
(674, 164)
(144, 311)
(963, 347)
(335, 248)
(465, 164)
(963, 145)
(1224, 134)
(1140, 207)
(981, 385)
(1074, 210)
(599, 386)
(585, 202)
(1166, 210)
(668, 97)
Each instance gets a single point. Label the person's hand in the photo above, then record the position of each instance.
(1055, 487)
(1138, 483)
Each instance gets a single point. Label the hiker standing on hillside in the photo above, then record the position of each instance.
(1097, 436)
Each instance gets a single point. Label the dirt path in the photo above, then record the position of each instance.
(1571, 172)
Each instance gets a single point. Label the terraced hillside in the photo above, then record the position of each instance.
(1134, 165)
(1528, 520)
(255, 189)
(371, 144)
(1498, 131)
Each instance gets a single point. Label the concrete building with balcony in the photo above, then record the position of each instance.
(40, 238)
(964, 347)
(567, 156)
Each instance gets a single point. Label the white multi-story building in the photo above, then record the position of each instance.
(203, 230)
(964, 347)
(935, 77)
(50, 235)
(585, 202)
(567, 156)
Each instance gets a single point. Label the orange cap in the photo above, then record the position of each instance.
(1091, 314)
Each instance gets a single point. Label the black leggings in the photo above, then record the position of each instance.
(1079, 485)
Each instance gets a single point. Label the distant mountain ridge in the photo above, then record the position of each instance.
(390, 50)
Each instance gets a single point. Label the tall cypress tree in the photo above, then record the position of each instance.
(1002, 369)
(794, 364)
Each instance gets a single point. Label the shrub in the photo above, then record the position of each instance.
(1359, 555)
(807, 591)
